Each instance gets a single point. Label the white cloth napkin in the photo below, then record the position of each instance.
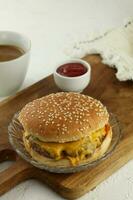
(115, 48)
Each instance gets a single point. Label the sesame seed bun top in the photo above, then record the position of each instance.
(63, 117)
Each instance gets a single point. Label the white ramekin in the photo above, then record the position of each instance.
(73, 84)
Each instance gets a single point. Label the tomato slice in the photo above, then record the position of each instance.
(107, 128)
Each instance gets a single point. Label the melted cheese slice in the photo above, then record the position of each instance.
(76, 150)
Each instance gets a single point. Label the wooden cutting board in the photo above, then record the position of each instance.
(117, 96)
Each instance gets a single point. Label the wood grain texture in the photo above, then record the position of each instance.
(117, 96)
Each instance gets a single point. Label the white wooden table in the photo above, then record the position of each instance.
(51, 24)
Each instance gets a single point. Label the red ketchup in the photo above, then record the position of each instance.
(71, 69)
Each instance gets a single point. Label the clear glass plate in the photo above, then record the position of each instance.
(15, 131)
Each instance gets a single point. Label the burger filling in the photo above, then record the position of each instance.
(74, 151)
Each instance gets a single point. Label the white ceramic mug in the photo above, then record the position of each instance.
(12, 72)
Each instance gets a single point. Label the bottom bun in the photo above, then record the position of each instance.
(66, 162)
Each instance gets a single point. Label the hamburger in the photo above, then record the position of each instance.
(65, 129)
